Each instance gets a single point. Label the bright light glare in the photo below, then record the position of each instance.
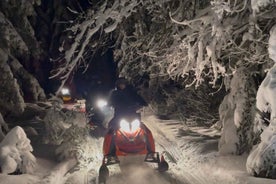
(65, 91)
(135, 125)
(124, 125)
(127, 127)
(101, 103)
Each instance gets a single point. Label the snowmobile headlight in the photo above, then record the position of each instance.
(124, 125)
(65, 91)
(101, 103)
(135, 125)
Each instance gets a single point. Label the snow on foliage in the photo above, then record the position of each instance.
(258, 4)
(18, 30)
(57, 122)
(261, 161)
(69, 131)
(31, 87)
(272, 44)
(76, 151)
(3, 126)
(18, 43)
(15, 152)
(205, 41)
(11, 97)
(12, 38)
(200, 48)
(207, 45)
(73, 144)
(107, 17)
(235, 113)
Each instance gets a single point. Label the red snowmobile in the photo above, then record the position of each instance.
(131, 138)
(71, 103)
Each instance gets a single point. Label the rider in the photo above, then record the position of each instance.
(125, 101)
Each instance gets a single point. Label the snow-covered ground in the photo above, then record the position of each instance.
(191, 152)
(195, 151)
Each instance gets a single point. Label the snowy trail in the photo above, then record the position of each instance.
(194, 152)
(164, 133)
(192, 157)
(142, 174)
(134, 170)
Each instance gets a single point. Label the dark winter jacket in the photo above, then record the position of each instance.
(125, 101)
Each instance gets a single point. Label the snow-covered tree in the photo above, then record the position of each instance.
(76, 144)
(3, 126)
(18, 47)
(236, 112)
(104, 18)
(174, 40)
(11, 97)
(205, 41)
(15, 152)
(57, 123)
(261, 161)
(69, 131)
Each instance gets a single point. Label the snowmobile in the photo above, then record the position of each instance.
(71, 103)
(97, 116)
(99, 113)
(130, 138)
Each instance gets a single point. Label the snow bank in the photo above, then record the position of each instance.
(15, 152)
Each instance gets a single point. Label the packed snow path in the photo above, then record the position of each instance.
(133, 170)
(191, 153)
(168, 135)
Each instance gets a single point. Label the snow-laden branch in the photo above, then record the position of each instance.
(107, 18)
(210, 39)
(68, 130)
(202, 48)
(259, 4)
